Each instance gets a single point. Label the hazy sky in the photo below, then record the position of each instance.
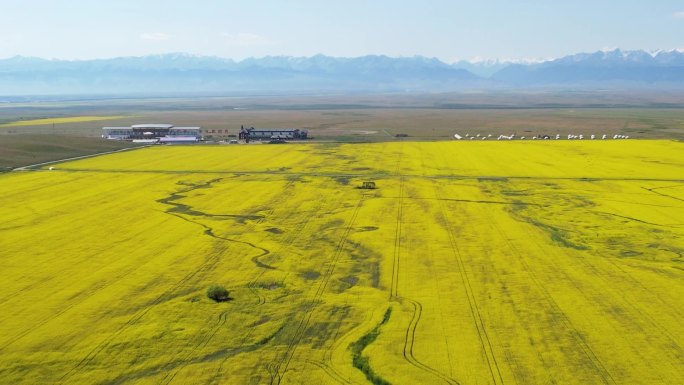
(446, 29)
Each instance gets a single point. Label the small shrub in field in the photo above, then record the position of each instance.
(218, 293)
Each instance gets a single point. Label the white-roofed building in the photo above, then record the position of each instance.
(151, 131)
(119, 133)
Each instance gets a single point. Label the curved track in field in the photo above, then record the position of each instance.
(410, 334)
(330, 371)
(336, 344)
(394, 285)
(409, 340)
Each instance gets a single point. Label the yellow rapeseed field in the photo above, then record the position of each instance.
(69, 119)
(472, 263)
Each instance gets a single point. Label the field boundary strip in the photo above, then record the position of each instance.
(338, 175)
(32, 167)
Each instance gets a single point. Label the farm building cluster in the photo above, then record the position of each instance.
(153, 133)
(167, 133)
(271, 133)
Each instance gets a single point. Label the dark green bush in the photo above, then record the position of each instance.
(218, 293)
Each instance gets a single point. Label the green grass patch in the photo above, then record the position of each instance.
(360, 361)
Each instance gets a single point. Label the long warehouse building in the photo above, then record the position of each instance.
(152, 131)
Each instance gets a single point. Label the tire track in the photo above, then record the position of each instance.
(336, 344)
(635, 311)
(56, 315)
(520, 316)
(332, 373)
(485, 342)
(639, 220)
(166, 295)
(289, 240)
(46, 280)
(609, 287)
(299, 332)
(206, 266)
(203, 337)
(394, 285)
(90, 293)
(327, 364)
(644, 287)
(440, 305)
(279, 369)
(641, 315)
(653, 190)
(204, 340)
(417, 307)
(409, 340)
(261, 299)
(589, 353)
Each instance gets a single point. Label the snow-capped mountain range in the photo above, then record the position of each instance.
(179, 72)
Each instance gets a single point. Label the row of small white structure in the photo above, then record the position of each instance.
(557, 137)
(604, 136)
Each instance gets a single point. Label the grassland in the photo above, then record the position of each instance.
(639, 114)
(23, 150)
(473, 263)
(58, 120)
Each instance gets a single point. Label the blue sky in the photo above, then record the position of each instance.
(448, 30)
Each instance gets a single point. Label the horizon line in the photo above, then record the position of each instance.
(474, 60)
